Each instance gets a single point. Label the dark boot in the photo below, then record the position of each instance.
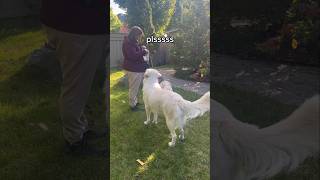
(81, 148)
(90, 134)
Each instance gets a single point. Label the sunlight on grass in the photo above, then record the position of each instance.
(15, 47)
(118, 96)
(115, 76)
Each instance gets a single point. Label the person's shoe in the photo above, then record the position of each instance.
(90, 134)
(82, 149)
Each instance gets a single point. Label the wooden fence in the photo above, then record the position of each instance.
(116, 57)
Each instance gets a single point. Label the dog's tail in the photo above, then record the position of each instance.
(265, 152)
(197, 108)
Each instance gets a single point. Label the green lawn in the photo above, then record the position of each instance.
(130, 140)
(32, 146)
(262, 111)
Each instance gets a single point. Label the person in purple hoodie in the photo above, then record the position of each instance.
(134, 63)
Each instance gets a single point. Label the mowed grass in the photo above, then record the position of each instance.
(31, 142)
(262, 111)
(130, 140)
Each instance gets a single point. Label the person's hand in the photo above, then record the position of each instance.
(144, 48)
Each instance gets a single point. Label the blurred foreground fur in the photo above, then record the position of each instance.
(243, 152)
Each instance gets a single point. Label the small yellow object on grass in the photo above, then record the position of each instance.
(294, 44)
(145, 165)
(140, 162)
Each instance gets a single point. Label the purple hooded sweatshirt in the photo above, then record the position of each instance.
(133, 56)
(76, 16)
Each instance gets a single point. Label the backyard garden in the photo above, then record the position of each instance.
(139, 151)
(131, 139)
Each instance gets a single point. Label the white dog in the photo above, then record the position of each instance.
(175, 109)
(243, 152)
(166, 85)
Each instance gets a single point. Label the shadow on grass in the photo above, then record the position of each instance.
(32, 146)
(18, 25)
(250, 107)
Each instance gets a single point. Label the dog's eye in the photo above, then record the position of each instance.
(146, 76)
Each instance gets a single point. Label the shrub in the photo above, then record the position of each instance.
(191, 43)
(115, 22)
(289, 33)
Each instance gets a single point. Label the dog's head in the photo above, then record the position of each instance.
(152, 74)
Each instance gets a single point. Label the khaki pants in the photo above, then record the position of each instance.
(79, 57)
(135, 79)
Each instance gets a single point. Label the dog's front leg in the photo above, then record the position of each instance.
(173, 138)
(173, 134)
(148, 113)
(155, 117)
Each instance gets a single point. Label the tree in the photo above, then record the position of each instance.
(192, 41)
(177, 16)
(139, 13)
(152, 15)
(115, 23)
(162, 13)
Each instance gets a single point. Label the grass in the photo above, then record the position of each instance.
(17, 25)
(130, 140)
(32, 146)
(255, 109)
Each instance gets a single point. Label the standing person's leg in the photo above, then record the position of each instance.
(135, 80)
(79, 56)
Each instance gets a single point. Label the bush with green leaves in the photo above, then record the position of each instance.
(277, 30)
(191, 47)
(115, 22)
(298, 37)
(153, 16)
(191, 50)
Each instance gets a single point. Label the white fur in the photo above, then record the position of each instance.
(166, 85)
(243, 152)
(175, 109)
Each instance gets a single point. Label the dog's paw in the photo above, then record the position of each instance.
(155, 122)
(146, 122)
(171, 144)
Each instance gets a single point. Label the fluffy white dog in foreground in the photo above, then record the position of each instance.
(245, 152)
(175, 109)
